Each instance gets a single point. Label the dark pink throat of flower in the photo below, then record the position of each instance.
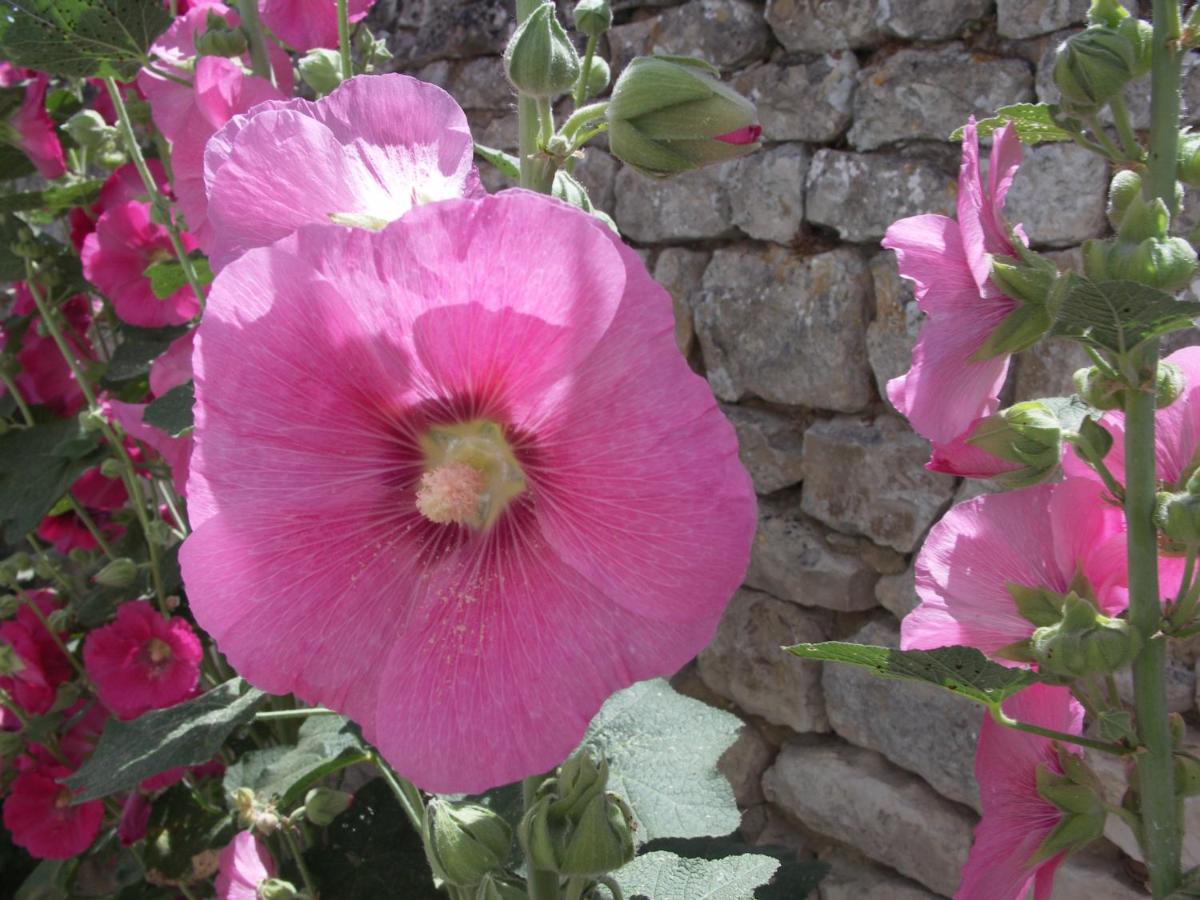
(747, 135)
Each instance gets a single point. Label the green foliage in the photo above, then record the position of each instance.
(81, 38)
(505, 163)
(172, 412)
(1070, 411)
(187, 734)
(179, 829)
(724, 869)
(53, 200)
(37, 465)
(1119, 316)
(138, 348)
(1034, 123)
(167, 277)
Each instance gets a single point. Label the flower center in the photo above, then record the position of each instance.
(158, 651)
(63, 800)
(470, 475)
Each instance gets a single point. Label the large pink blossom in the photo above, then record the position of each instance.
(30, 128)
(453, 479)
(370, 151)
(245, 864)
(41, 817)
(945, 390)
(1040, 537)
(1016, 818)
(305, 24)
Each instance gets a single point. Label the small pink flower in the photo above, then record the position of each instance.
(945, 391)
(45, 378)
(1016, 818)
(41, 817)
(372, 150)
(305, 24)
(122, 186)
(43, 665)
(245, 864)
(115, 256)
(142, 661)
(135, 816)
(34, 130)
(510, 334)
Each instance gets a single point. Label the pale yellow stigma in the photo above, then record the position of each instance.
(450, 493)
(158, 651)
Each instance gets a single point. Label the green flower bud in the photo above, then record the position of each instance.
(321, 70)
(598, 76)
(322, 805)
(1177, 516)
(1027, 434)
(111, 468)
(464, 842)
(218, 39)
(117, 574)
(1124, 187)
(58, 620)
(1097, 389)
(87, 128)
(1107, 12)
(500, 887)
(1141, 37)
(592, 17)
(602, 839)
(112, 157)
(277, 889)
(541, 839)
(1189, 158)
(1084, 642)
(1169, 383)
(580, 780)
(540, 59)
(1187, 776)
(1092, 67)
(372, 50)
(671, 114)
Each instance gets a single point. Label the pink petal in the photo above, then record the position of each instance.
(305, 24)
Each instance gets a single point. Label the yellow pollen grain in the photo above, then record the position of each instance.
(450, 493)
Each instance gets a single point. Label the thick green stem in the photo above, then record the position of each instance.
(344, 39)
(540, 883)
(406, 793)
(1129, 141)
(581, 89)
(260, 63)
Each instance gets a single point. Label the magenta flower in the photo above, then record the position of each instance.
(39, 814)
(245, 864)
(142, 661)
(44, 377)
(1040, 537)
(42, 665)
(366, 154)
(946, 391)
(488, 460)
(30, 129)
(100, 496)
(174, 367)
(1016, 818)
(305, 24)
(176, 452)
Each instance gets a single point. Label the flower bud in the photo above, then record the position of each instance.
(1187, 776)
(218, 39)
(580, 779)
(1027, 434)
(87, 128)
(1189, 158)
(1177, 516)
(602, 839)
(111, 468)
(1084, 642)
(1124, 187)
(1169, 383)
(372, 50)
(117, 574)
(464, 842)
(1140, 35)
(540, 59)
(1107, 12)
(58, 620)
(671, 114)
(277, 889)
(1092, 67)
(592, 17)
(321, 70)
(597, 75)
(322, 805)
(1098, 389)
(243, 804)
(500, 887)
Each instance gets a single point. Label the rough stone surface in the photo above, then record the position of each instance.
(1045, 369)
(855, 878)
(744, 763)
(818, 26)
(839, 183)
(1059, 194)
(691, 206)
(919, 727)
(930, 20)
(727, 33)
(1091, 876)
(803, 102)
(792, 561)
(898, 593)
(856, 796)
(766, 193)
(925, 94)
(770, 444)
(1181, 687)
(680, 271)
(869, 478)
(784, 328)
(1029, 18)
(453, 28)
(893, 332)
(745, 663)
(597, 172)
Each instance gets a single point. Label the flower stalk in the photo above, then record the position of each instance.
(343, 18)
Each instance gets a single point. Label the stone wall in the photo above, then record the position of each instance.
(789, 308)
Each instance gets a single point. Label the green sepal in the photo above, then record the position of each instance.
(1039, 606)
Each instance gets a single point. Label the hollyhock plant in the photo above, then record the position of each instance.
(45, 378)
(245, 864)
(305, 24)
(40, 815)
(30, 128)
(537, 470)
(100, 496)
(947, 390)
(42, 667)
(1002, 864)
(365, 155)
(142, 661)
(122, 186)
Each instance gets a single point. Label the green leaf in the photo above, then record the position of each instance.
(179, 831)
(1034, 123)
(1120, 315)
(37, 465)
(505, 163)
(186, 734)
(172, 412)
(1070, 411)
(166, 277)
(47, 882)
(662, 750)
(138, 348)
(81, 38)
(794, 880)
(660, 875)
(963, 670)
(14, 163)
(53, 200)
(12, 267)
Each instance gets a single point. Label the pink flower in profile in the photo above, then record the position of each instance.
(142, 661)
(1016, 818)
(41, 817)
(245, 864)
(946, 391)
(45, 378)
(42, 665)
(488, 460)
(305, 24)
(366, 154)
(1040, 537)
(30, 128)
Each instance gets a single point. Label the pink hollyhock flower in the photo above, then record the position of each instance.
(142, 661)
(946, 391)
(30, 128)
(176, 452)
(497, 463)
(1016, 818)
(45, 378)
(174, 367)
(245, 864)
(1040, 537)
(305, 24)
(374, 148)
(135, 816)
(39, 814)
(43, 667)
(116, 255)
(122, 186)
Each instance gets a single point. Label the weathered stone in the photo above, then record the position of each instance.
(881, 559)
(1059, 195)
(840, 183)
(930, 20)
(855, 796)
(1045, 369)
(498, 130)
(1181, 687)
(597, 172)
(805, 102)
(680, 271)
(744, 662)
(919, 727)
(784, 328)
(926, 94)
(695, 205)
(790, 560)
(893, 332)
(853, 878)
(770, 444)
(744, 763)
(869, 478)
(898, 593)
(819, 26)
(726, 33)
(1091, 876)
(477, 83)
(457, 28)
(1029, 18)
(766, 192)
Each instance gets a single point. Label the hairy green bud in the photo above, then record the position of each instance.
(540, 59)
(592, 17)
(1093, 66)
(321, 69)
(463, 842)
(1084, 642)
